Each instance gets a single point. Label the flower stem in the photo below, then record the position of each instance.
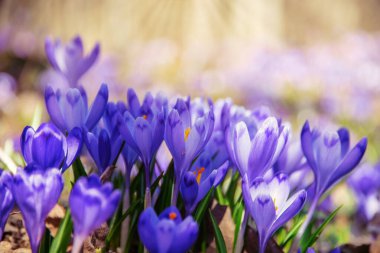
(77, 244)
(175, 191)
(125, 224)
(240, 239)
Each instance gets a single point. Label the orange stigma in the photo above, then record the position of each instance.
(187, 132)
(198, 174)
(145, 116)
(172, 215)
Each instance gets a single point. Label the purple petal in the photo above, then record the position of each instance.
(307, 146)
(350, 161)
(26, 143)
(143, 133)
(344, 136)
(133, 103)
(185, 236)
(98, 107)
(74, 146)
(53, 108)
(189, 190)
(147, 229)
(241, 146)
(174, 137)
(104, 149)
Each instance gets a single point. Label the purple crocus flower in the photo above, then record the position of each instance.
(49, 148)
(102, 148)
(36, 192)
(70, 110)
(268, 204)
(254, 157)
(142, 128)
(199, 179)
(330, 159)
(91, 205)
(167, 233)
(6, 200)
(186, 134)
(69, 59)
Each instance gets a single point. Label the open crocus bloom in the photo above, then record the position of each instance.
(70, 109)
(329, 156)
(70, 59)
(254, 157)
(268, 204)
(167, 233)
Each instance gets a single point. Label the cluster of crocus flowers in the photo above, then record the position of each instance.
(206, 143)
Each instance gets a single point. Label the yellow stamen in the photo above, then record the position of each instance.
(187, 132)
(275, 206)
(198, 174)
(172, 215)
(145, 116)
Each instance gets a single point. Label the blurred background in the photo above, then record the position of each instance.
(310, 59)
(316, 60)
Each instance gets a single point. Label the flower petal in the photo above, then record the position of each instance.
(98, 107)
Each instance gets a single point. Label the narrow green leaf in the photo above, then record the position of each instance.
(165, 197)
(219, 240)
(293, 232)
(219, 195)
(78, 169)
(238, 218)
(314, 237)
(154, 186)
(116, 225)
(63, 237)
(203, 205)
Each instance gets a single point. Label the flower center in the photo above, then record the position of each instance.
(187, 132)
(145, 116)
(172, 215)
(198, 174)
(275, 206)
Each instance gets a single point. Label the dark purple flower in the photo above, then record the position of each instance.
(91, 205)
(102, 148)
(6, 200)
(268, 204)
(142, 127)
(197, 182)
(49, 148)
(167, 233)
(69, 59)
(254, 157)
(187, 131)
(71, 110)
(36, 192)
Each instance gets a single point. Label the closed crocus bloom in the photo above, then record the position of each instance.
(49, 148)
(199, 179)
(69, 59)
(36, 192)
(70, 109)
(91, 205)
(254, 157)
(186, 135)
(167, 233)
(268, 204)
(102, 148)
(6, 200)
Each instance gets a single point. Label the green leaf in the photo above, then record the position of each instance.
(116, 225)
(231, 192)
(219, 240)
(238, 218)
(219, 195)
(165, 197)
(309, 241)
(78, 169)
(203, 205)
(63, 237)
(293, 232)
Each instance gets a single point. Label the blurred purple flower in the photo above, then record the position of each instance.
(49, 148)
(167, 233)
(6, 200)
(36, 192)
(70, 110)
(268, 204)
(91, 205)
(69, 59)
